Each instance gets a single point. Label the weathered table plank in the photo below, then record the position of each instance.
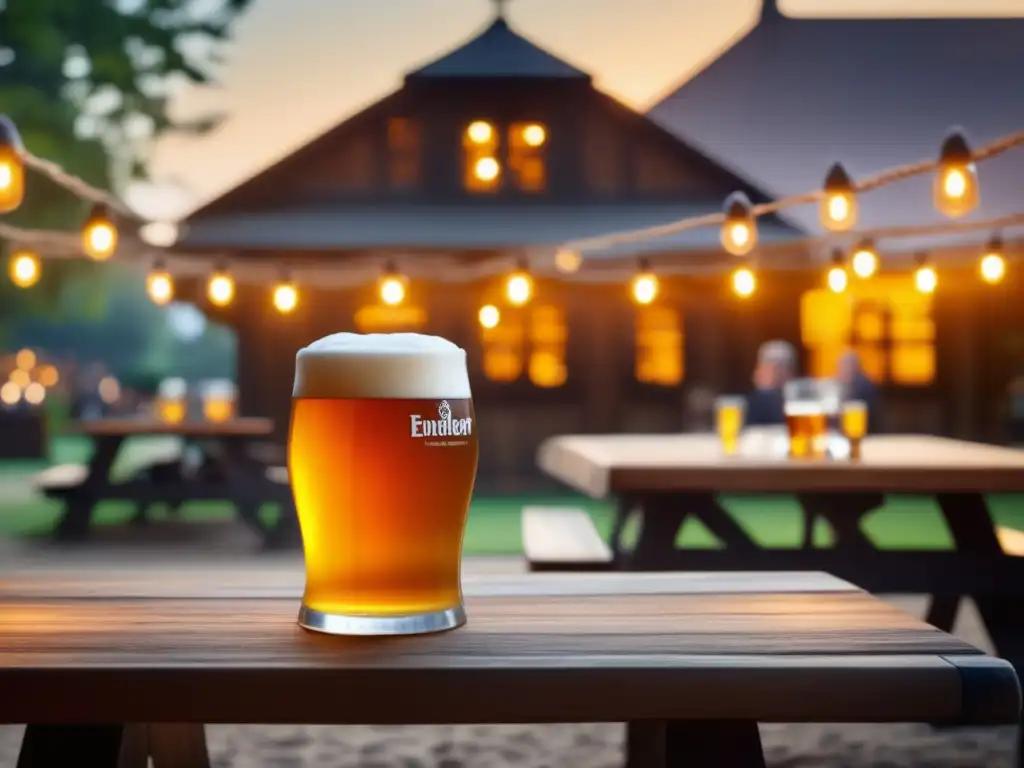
(598, 465)
(792, 647)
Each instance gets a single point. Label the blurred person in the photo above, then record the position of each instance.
(776, 364)
(854, 384)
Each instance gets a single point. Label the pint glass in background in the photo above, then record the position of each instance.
(382, 456)
(218, 398)
(804, 403)
(853, 421)
(730, 412)
(172, 400)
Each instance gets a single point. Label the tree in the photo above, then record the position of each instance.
(88, 84)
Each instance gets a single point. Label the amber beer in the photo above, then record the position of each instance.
(808, 430)
(729, 412)
(382, 457)
(854, 423)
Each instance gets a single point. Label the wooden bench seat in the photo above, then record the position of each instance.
(563, 539)
(1011, 540)
(60, 478)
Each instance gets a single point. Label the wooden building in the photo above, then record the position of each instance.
(500, 150)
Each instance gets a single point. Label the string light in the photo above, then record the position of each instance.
(744, 282)
(391, 286)
(12, 166)
(99, 234)
(739, 230)
(865, 259)
(24, 268)
(925, 278)
(644, 286)
(221, 288)
(487, 169)
(489, 316)
(286, 295)
(993, 262)
(955, 188)
(839, 204)
(837, 277)
(568, 261)
(160, 284)
(519, 286)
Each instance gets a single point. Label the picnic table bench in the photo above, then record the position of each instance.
(227, 473)
(112, 666)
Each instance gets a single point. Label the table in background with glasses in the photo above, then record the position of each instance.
(225, 470)
(109, 667)
(664, 479)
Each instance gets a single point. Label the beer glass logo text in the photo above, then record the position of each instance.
(443, 426)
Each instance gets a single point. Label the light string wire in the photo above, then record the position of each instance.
(58, 244)
(883, 178)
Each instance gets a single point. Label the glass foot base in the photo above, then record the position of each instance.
(409, 624)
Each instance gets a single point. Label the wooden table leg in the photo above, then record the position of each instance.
(693, 744)
(102, 746)
(178, 745)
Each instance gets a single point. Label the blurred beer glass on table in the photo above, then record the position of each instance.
(172, 401)
(853, 421)
(219, 397)
(382, 456)
(730, 412)
(805, 403)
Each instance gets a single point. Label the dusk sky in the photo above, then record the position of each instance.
(298, 67)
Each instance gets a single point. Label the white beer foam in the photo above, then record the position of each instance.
(381, 366)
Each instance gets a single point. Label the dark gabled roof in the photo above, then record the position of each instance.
(498, 51)
(465, 227)
(795, 95)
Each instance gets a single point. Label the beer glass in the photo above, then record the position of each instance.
(853, 421)
(382, 457)
(805, 404)
(218, 400)
(171, 400)
(729, 415)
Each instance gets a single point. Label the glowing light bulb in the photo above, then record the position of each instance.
(744, 283)
(10, 393)
(837, 279)
(839, 204)
(534, 135)
(391, 289)
(739, 230)
(480, 132)
(568, 261)
(25, 360)
(221, 289)
(160, 285)
(993, 263)
(489, 316)
(864, 260)
(645, 285)
(519, 288)
(35, 393)
(486, 169)
(955, 188)
(25, 269)
(12, 166)
(99, 234)
(286, 297)
(925, 277)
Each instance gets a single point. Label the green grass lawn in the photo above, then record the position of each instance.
(775, 521)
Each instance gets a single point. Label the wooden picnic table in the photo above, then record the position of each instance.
(228, 473)
(664, 479)
(98, 664)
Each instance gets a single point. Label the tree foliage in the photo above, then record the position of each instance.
(88, 83)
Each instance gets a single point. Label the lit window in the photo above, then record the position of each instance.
(382, 318)
(481, 166)
(886, 320)
(503, 349)
(659, 346)
(547, 355)
(527, 156)
(403, 153)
